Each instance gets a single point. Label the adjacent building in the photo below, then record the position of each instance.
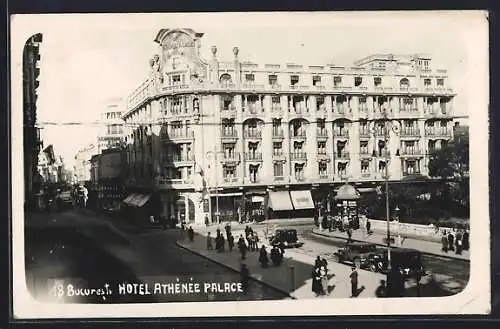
(107, 179)
(231, 139)
(82, 163)
(111, 129)
(32, 143)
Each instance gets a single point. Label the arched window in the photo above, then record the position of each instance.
(225, 79)
(404, 83)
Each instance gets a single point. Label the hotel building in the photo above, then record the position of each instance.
(211, 137)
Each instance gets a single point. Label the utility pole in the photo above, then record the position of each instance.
(387, 209)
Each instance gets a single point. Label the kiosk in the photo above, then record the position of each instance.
(346, 202)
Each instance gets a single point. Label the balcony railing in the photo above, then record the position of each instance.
(300, 134)
(342, 155)
(366, 174)
(278, 155)
(411, 173)
(382, 153)
(443, 132)
(324, 176)
(231, 157)
(365, 153)
(229, 134)
(322, 133)
(250, 110)
(298, 155)
(410, 132)
(365, 133)
(279, 178)
(178, 158)
(180, 134)
(252, 134)
(278, 134)
(411, 151)
(253, 156)
(341, 133)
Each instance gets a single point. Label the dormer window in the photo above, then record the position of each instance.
(273, 79)
(427, 82)
(249, 77)
(176, 79)
(337, 81)
(294, 79)
(377, 81)
(404, 83)
(358, 81)
(316, 80)
(440, 82)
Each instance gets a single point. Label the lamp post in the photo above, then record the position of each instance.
(209, 155)
(387, 127)
(396, 213)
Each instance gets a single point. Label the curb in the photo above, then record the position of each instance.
(383, 245)
(234, 270)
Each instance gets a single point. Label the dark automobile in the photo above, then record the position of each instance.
(409, 261)
(286, 236)
(357, 253)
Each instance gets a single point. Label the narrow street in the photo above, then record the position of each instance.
(152, 256)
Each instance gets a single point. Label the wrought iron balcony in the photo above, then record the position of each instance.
(410, 132)
(252, 133)
(253, 156)
(231, 157)
(342, 155)
(298, 155)
(343, 133)
(411, 151)
(278, 134)
(438, 132)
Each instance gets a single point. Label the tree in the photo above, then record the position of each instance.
(450, 164)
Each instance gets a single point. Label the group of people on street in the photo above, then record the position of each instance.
(455, 240)
(320, 277)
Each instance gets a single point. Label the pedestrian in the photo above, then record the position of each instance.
(206, 221)
(381, 290)
(324, 263)
(222, 243)
(230, 242)
(317, 262)
(368, 226)
(242, 247)
(191, 234)
(316, 281)
(451, 239)
(323, 278)
(228, 229)
(354, 281)
(209, 242)
(244, 278)
(444, 243)
(275, 256)
(458, 242)
(349, 235)
(255, 240)
(465, 240)
(263, 259)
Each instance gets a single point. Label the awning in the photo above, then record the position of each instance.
(128, 200)
(366, 189)
(257, 198)
(302, 199)
(142, 201)
(280, 201)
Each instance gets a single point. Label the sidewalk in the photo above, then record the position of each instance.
(298, 285)
(426, 247)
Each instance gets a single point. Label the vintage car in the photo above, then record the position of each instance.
(357, 253)
(409, 262)
(286, 237)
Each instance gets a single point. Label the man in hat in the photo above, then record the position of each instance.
(354, 281)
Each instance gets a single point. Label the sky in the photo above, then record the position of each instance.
(89, 58)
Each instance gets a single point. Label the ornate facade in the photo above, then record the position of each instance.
(209, 135)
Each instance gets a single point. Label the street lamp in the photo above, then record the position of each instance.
(396, 215)
(209, 155)
(388, 126)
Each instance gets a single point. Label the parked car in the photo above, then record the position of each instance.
(64, 199)
(288, 237)
(409, 261)
(357, 253)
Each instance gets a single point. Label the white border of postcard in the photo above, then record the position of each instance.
(475, 299)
